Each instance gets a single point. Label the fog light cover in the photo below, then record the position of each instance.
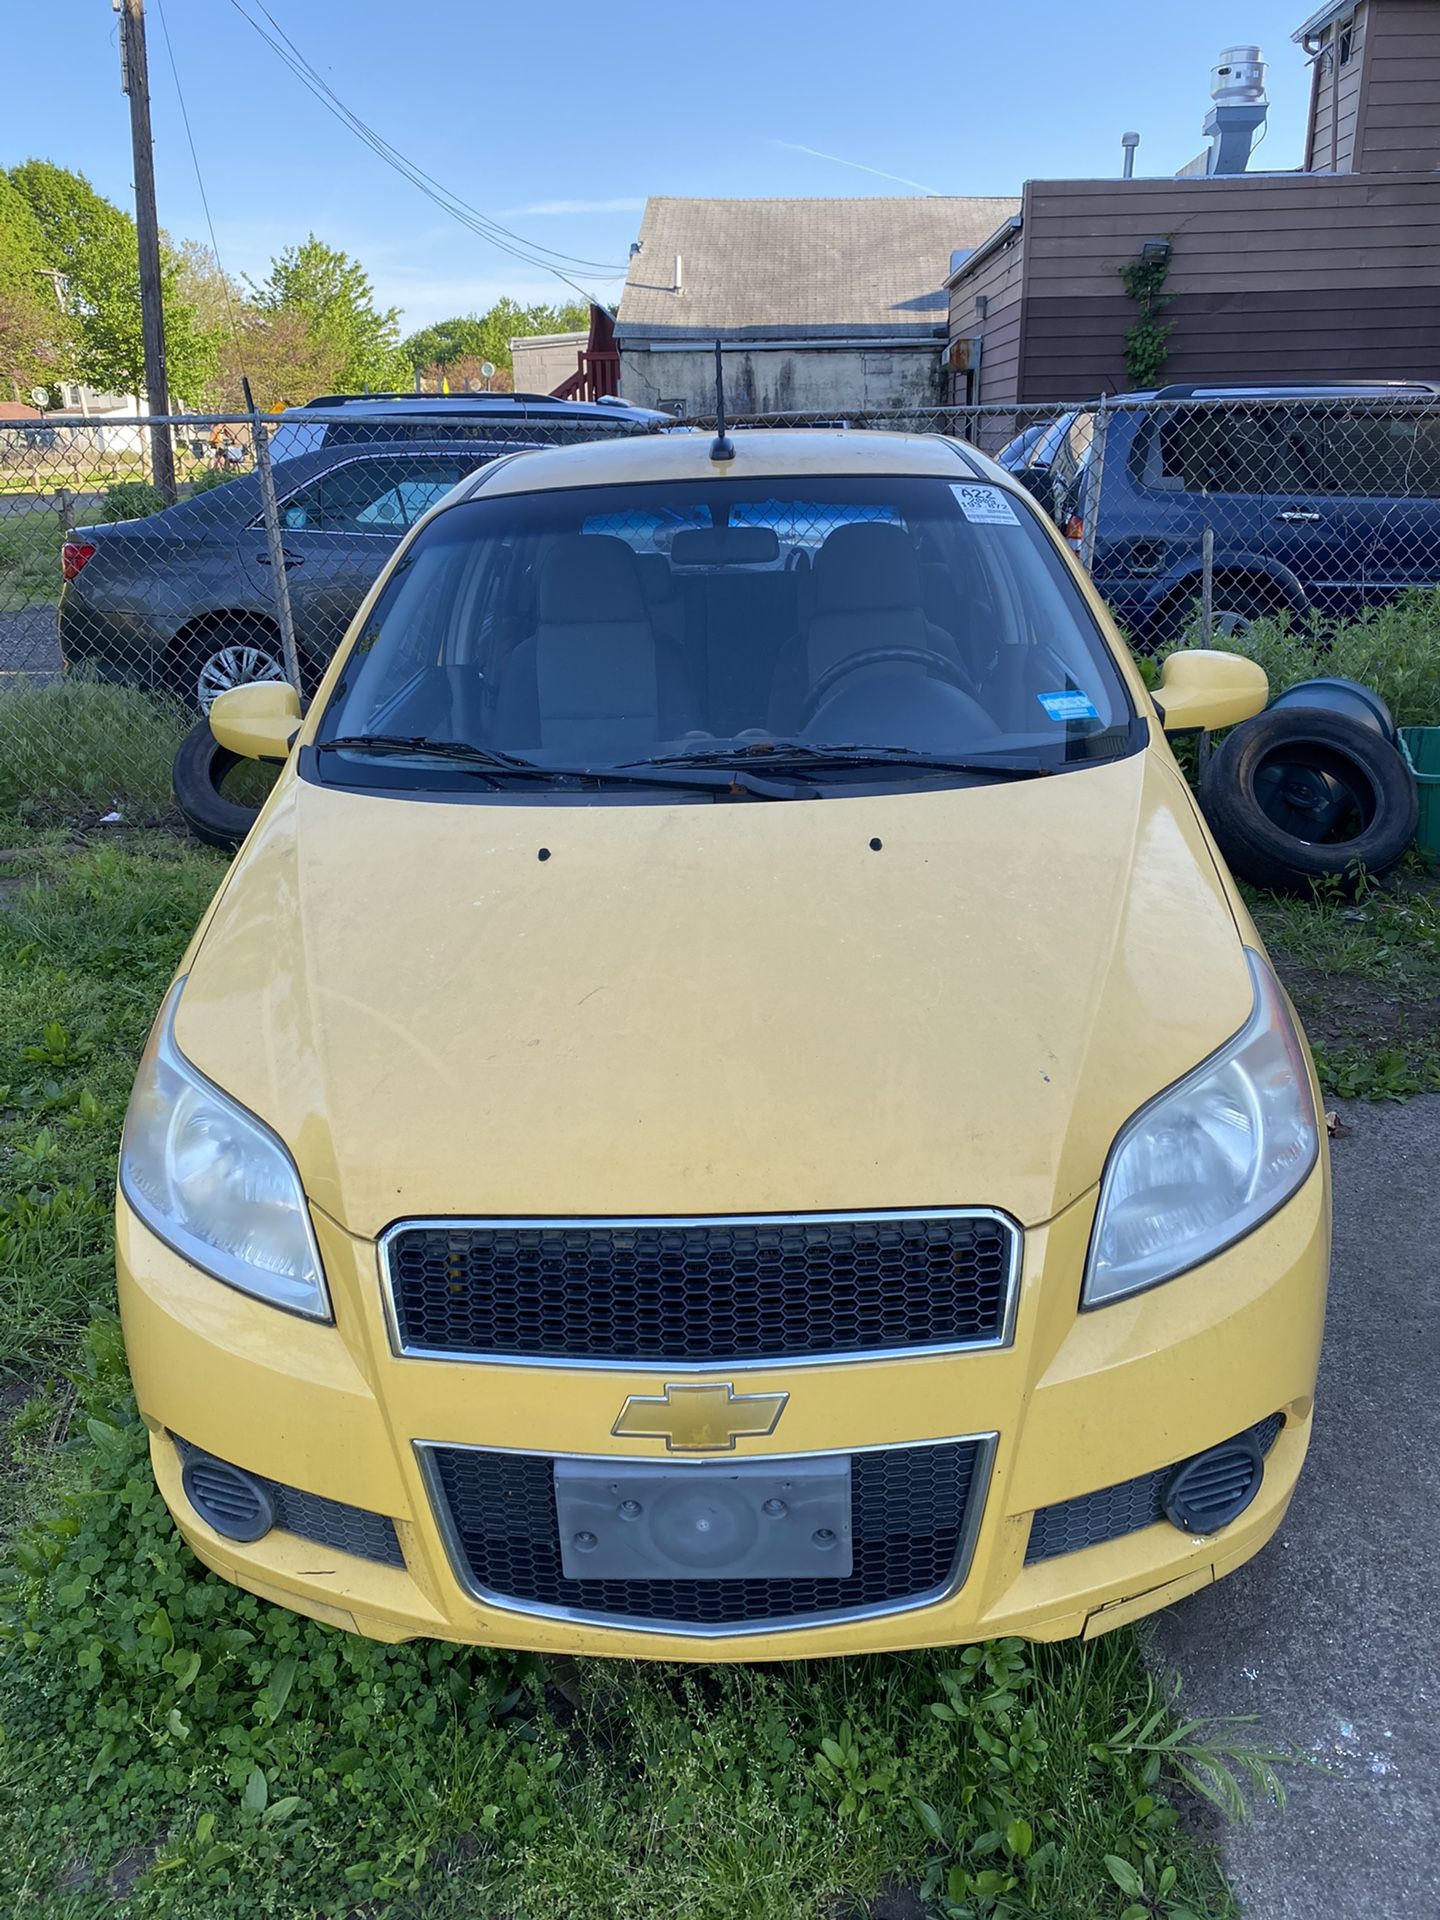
(229, 1500)
(1216, 1487)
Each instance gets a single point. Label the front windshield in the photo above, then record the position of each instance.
(746, 619)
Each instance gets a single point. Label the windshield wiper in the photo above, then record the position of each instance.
(494, 763)
(802, 753)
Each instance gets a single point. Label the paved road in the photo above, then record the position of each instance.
(28, 644)
(1332, 1636)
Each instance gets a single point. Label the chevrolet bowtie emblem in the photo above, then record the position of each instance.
(707, 1418)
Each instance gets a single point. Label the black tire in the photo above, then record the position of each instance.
(1297, 795)
(200, 767)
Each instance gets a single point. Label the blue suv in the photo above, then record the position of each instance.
(1321, 499)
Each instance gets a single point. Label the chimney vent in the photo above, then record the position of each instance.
(1237, 86)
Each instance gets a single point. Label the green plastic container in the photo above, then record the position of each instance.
(1421, 747)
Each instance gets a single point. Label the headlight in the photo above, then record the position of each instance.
(1209, 1159)
(215, 1183)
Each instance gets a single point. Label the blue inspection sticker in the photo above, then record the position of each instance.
(1069, 706)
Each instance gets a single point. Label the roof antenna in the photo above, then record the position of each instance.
(722, 447)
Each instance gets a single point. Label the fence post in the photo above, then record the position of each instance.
(1207, 585)
(1090, 495)
(271, 510)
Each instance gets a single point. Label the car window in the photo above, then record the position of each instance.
(1374, 453)
(908, 613)
(1219, 450)
(371, 496)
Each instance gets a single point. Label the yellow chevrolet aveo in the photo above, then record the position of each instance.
(728, 1107)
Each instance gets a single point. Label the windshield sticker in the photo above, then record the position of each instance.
(987, 506)
(1069, 706)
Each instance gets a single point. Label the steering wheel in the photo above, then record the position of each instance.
(937, 663)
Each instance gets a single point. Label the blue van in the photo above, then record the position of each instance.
(1321, 499)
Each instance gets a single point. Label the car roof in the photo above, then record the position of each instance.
(764, 452)
(421, 406)
(1287, 389)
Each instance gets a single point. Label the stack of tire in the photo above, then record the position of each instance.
(1313, 789)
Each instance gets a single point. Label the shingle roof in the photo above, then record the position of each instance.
(772, 268)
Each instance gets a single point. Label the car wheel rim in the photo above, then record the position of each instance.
(234, 666)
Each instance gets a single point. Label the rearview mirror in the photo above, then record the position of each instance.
(257, 721)
(1203, 688)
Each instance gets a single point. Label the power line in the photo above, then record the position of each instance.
(482, 225)
(199, 177)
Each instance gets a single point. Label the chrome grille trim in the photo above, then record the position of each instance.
(1008, 1226)
(984, 1444)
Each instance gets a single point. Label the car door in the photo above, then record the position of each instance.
(1389, 463)
(1320, 518)
(338, 530)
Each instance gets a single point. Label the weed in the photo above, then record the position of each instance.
(77, 741)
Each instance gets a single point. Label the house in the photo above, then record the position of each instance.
(540, 362)
(835, 306)
(1329, 271)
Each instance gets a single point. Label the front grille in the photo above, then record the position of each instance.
(1092, 1518)
(913, 1513)
(701, 1292)
(329, 1523)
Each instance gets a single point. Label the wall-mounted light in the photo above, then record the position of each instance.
(1154, 253)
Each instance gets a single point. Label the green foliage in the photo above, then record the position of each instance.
(34, 333)
(210, 477)
(131, 500)
(487, 336)
(78, 740)
(29, 561)
(331, 295)
(93, 243)
(1394, 648)
(1364, 973)
(1147, 342)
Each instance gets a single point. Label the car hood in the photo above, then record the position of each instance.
(919, 999)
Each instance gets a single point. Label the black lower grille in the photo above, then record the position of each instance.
(701, 1292)
(329, 1523)
(1092, 1518)
(909, 1511)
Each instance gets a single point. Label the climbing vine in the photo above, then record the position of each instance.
(1147, 342)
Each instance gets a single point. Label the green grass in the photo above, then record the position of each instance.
(1364, 974)
(173, 1747)
(30, 545)
(77, 745)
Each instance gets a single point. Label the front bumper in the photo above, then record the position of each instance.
(1075, 1403)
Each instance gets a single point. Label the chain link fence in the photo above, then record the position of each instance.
(122, 617)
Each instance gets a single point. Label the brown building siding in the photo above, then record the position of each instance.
(1278, 276)
(999, 280)
(1375, 109)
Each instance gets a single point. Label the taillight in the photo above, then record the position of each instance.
(1074, 530)
(73, 556)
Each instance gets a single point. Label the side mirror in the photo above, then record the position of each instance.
(1203, 688)
(257, 721)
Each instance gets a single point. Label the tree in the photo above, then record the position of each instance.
(487, 336)
(94, 245)
(34, 330)
(330, 295)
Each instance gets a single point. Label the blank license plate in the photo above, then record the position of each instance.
(757, 1520)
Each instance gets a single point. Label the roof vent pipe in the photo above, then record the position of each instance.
(679, 286)
(1237, 86)
(1129, 141)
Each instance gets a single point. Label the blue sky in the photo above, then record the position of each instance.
(529, 113)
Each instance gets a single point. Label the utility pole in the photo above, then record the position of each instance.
(135, 81)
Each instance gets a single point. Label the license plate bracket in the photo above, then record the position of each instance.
(736, 1520)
